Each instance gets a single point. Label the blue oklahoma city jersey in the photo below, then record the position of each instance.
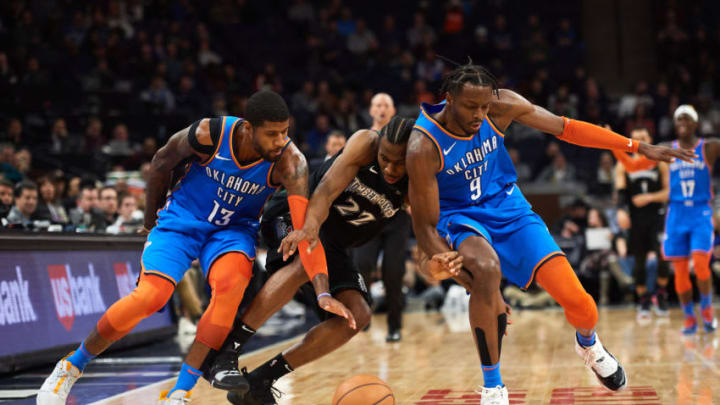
(688, 221)
(690, 181)
(478, 197)
(213, 210)
(475, 168)
(221, 191)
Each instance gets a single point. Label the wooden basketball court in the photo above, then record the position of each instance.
(436, 364)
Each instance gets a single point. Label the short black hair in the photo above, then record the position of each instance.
(468, 73)
(266, 105)
(398, 130)
(24, 185)
(5, 182)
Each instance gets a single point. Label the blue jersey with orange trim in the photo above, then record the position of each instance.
(221, 191)
(690, 181)
(475, 168)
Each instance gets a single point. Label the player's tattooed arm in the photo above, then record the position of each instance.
(292, 172)
(176, 150)
(359, 151)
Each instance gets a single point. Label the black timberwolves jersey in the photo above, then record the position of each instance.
(641, 182)
(366, 205)
(361, 211)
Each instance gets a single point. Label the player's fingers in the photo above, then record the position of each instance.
(683, 154)
(311, 245)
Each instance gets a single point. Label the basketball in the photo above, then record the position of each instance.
(363, 390)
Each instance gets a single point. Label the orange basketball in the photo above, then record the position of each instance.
(363, 390)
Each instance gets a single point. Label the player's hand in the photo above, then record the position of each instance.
(289, 244)
(665, 154)
(336, 307)
(641, 200)
(464, 278)
(445, 265)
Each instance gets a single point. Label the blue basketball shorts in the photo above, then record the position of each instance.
(177, 240)
(688, 228)
(521, 239)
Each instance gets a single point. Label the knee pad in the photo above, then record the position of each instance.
(151, 294)
(682, 276)
(228, 277)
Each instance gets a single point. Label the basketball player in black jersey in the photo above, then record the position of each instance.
(354, 195)
(642, 193)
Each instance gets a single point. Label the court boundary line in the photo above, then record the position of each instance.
(158, 383)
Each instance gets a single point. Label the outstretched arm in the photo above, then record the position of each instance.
(712, 150)
(513, 107)
(293, 172)
(359, 151)
(422, 164)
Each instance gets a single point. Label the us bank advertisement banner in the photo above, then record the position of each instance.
(53, 298)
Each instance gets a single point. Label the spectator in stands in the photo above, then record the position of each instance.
(61, 141)
(14, 133)
(605, 177)
(83, 216)
(49, 207)
(108, 205)
(523, 170)
(23, 161)
(419, 31)
(317, 135)
(129, 219)
(144, 154)
(26, 200)
(94, 139)
(72, 194)
(559, 172)
(6, 197)
(362, 40)
(7, 163)
(158, 98)
(120, 144)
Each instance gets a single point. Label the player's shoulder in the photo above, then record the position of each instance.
(362, 145)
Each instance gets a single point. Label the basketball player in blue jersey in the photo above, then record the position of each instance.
(463, 194)
(688, 222)
(232, 166)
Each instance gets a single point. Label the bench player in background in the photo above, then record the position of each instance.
(463, 194)
(642, 193)
(232, 166)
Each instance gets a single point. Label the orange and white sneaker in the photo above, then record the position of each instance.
(56, 387)
(178, 397)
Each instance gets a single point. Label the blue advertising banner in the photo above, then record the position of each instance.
(53, 298)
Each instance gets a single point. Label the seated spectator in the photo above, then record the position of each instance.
(26, 199)
(335, 141)
(83, 216)
(559, 172)
(6, 197)
(7, 163)
(94, 139)
(317, 135)
(130, 219)
(158, 97)
(143, 155)
(61, 141)
(23, 161)
(605, 177)
(14, 133)
(108, 205)
(522, 169)
(120, 144)
(49, 207)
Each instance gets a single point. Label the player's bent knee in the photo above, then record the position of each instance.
(362, 315)
(486, 272)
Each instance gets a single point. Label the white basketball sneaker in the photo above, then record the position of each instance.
(494, 396)
(606, 368)
(56, 387)
(178, 397)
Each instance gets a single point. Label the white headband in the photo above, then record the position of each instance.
(686, 109)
